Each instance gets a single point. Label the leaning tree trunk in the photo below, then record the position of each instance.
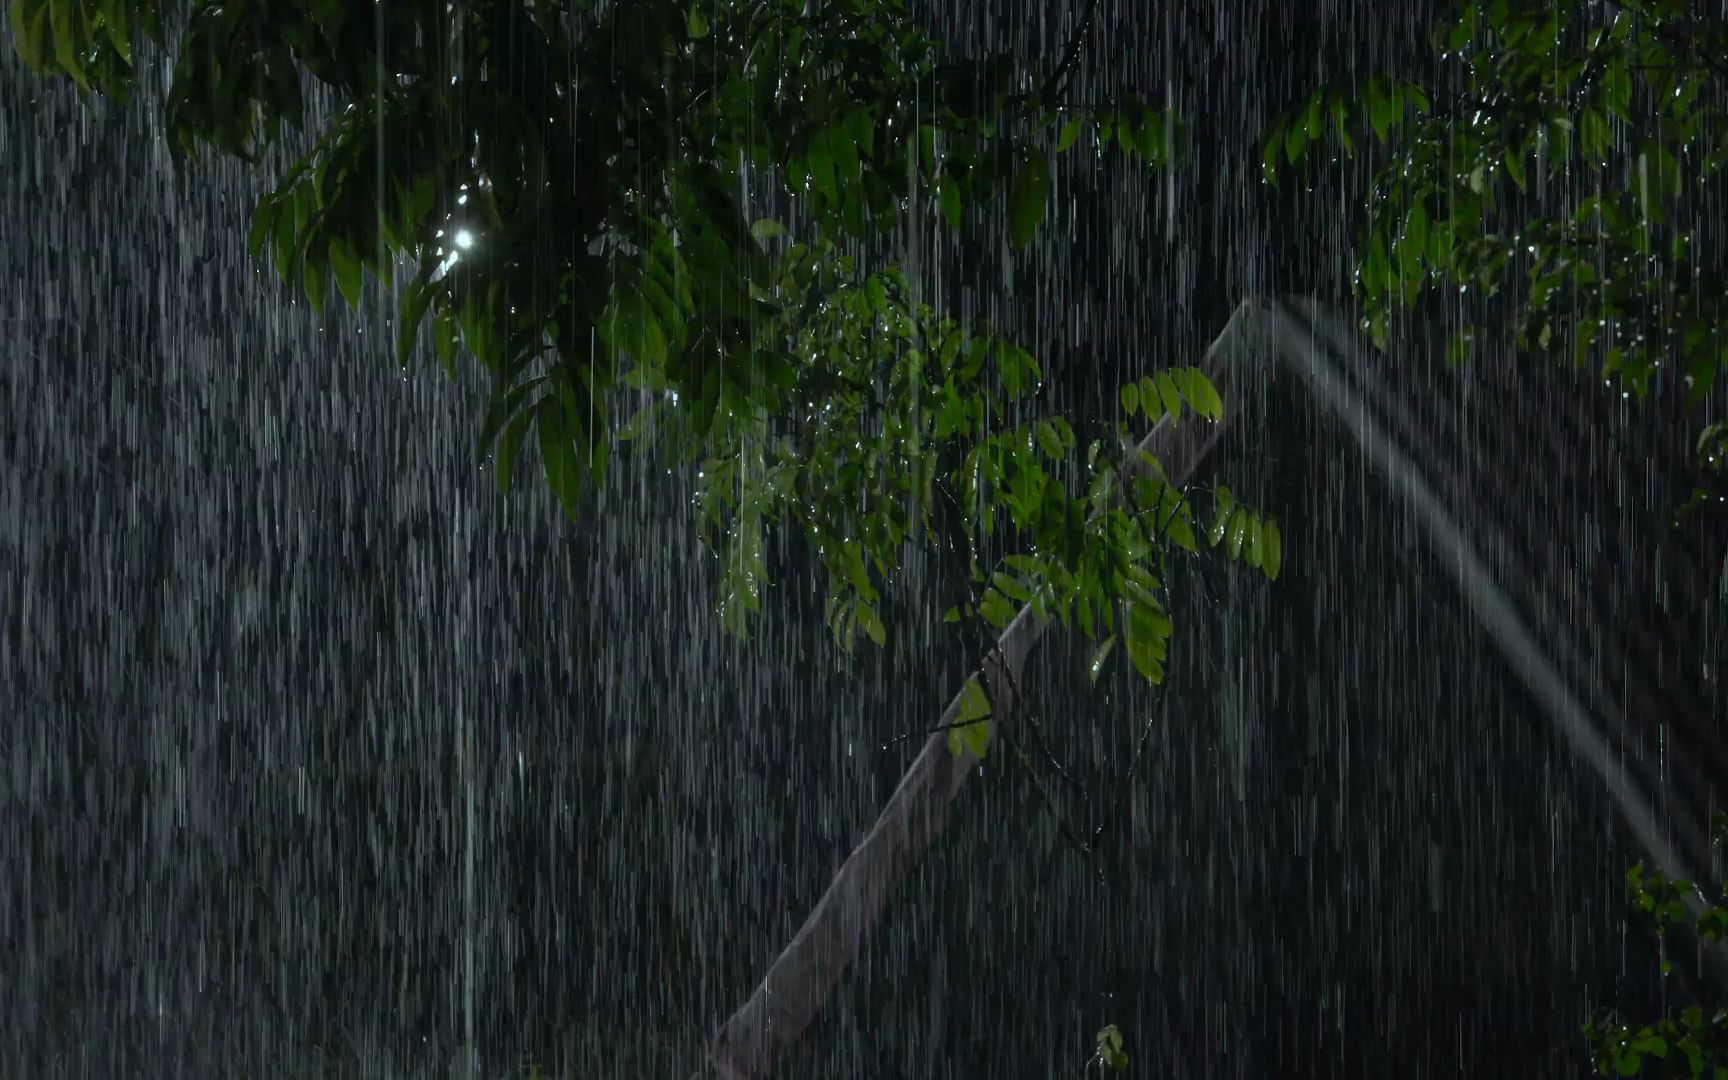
(808, 969)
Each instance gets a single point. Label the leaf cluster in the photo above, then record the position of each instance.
(1694, 1043)
(1566, 166)
(898, 427)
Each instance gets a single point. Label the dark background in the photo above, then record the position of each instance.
(315, 746)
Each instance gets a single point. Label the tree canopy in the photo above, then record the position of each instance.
(1566, 161)
(568, 190)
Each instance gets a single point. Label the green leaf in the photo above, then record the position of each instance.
(263, 221)
(315, 277)
(821, 159)
(67, 38)
(927, 149)
(444, 339)
(1271, 550)
(872, 623)
(558, 454)
(1145, 651)
(1100, 657)
(1648, 1042)
(976, 737)
(1515, 168)
(1049, 440)
(1295, 140)
(1150, 138)
(1171, 396)
(509, 443)
(1238, 532)
(698, 25)
(1110, 1053)
(1149, 398)
(345, 264)
(974, 702)
(1027, 202)
(1380, 109)
(116, 21)
(1341, 123)
(29, 20)
(1174, 517)
(766, 229)
(1070, 132)
(1012, 587)
(1271, 149)
(996, 608)
(846, 158)
(948, 201)
(1198, 391)
(1315, 122)
(1416, 229)
(1131, 398)
(970, 729)
(415, 300)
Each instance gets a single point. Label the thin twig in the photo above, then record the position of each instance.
(935, 730)
(1058, 79)
(1062, 823)
(1127, 780)
(1044, 748)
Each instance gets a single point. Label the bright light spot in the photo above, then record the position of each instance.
(464, 238)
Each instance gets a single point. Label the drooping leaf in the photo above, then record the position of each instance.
(871, 623)
(1170, 396)
(345, 265)
(558, 453)
(1271, 550)
(1070, 132)
(29, 19)
(1027, 201)
(509, 443)
(1130, 398)
(1100, 657)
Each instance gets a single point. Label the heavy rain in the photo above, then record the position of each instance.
(841, 538)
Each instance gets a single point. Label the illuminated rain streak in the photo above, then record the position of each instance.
(326, 755)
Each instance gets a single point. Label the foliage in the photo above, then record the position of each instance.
(1694, 1044)
(1109, 1054)
(1570, 158)
(904, 427)
(564, 183)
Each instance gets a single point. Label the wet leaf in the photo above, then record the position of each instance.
(1027, 202)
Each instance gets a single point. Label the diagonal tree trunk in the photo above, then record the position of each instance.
(807, 970)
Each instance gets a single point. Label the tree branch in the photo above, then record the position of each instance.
(786, 1002)
(1058, 80)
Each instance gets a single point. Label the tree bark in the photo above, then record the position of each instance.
(798, 983)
